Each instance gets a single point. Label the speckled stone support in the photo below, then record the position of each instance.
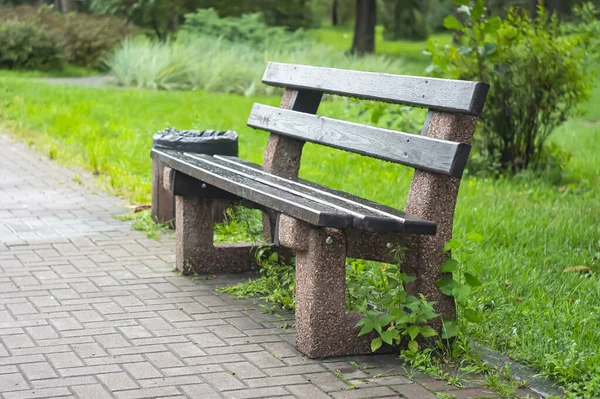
(433, 197)
(282, 155)
(323, 329)
(195, 252)
(378, 247)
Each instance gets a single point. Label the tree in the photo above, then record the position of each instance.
(68, 6)
(364, 27)
(334, 13)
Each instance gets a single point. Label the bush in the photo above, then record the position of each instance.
(215, 64)
(587, 29)
(83, 38)
(24, 46)
(537, 78)
(292, 14)
(249, 28)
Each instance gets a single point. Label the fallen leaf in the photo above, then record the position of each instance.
(572, 269)
(139, 208)
(562, 189)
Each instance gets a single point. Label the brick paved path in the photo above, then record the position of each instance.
(91, 309)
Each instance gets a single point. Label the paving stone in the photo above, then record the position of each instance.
(256, 393)
(207, 340)
(142, 370)
(274, 381)
(414, 391)
(41, 332)
(290, 370)
(12, 382)
(474, 393)
(347, 370)
(378, 392)
(203, 391)
(164, 360)
(64, 382)
(42, 393)
(390, 380)
(326, 381)
(307, 391)
(244, 370)
(117, 381)
(64, 360)
(223, 381)
(135, 332)
(264, 359)
(17, 341)
(112, 341)
(38, 371)
(171, 381)
(147, 393)
(186, 349)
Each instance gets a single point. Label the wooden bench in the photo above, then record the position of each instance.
(321, 225)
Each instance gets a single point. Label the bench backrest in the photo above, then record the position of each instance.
(306, 85)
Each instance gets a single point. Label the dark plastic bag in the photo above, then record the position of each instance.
(209, 142)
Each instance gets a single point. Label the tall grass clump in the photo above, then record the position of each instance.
(231, 62)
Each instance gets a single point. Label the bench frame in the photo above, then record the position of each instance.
(323, 327)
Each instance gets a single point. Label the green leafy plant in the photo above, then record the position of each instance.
(249, 28)
(24, 46)
(276, 284)
(461, 284)
(537, 77)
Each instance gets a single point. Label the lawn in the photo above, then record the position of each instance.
(534, 228)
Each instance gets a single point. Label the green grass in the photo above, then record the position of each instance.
(533, 310)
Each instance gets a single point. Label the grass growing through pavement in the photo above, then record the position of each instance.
(534, 229)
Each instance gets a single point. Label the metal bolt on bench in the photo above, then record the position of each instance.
(321, 225)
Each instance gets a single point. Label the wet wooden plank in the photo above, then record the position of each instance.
(446, 95)
(368, 215)
(420, 152)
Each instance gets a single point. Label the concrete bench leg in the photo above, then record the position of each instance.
(195, 251)
(323, 329)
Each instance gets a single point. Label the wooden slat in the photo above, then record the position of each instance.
(420, 152)
(368, 215)
(447, 95)
(301, 208)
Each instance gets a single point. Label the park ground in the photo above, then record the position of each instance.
(535, 227)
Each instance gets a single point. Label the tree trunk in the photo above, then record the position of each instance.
(364, 27)
(554, 6)
(68, 6)
(334, 13)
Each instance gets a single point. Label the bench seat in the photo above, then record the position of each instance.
(307, 201)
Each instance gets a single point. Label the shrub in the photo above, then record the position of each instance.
(24, 46)
(83, 38)
(537, 78)
(588, 30)
(250, 28)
